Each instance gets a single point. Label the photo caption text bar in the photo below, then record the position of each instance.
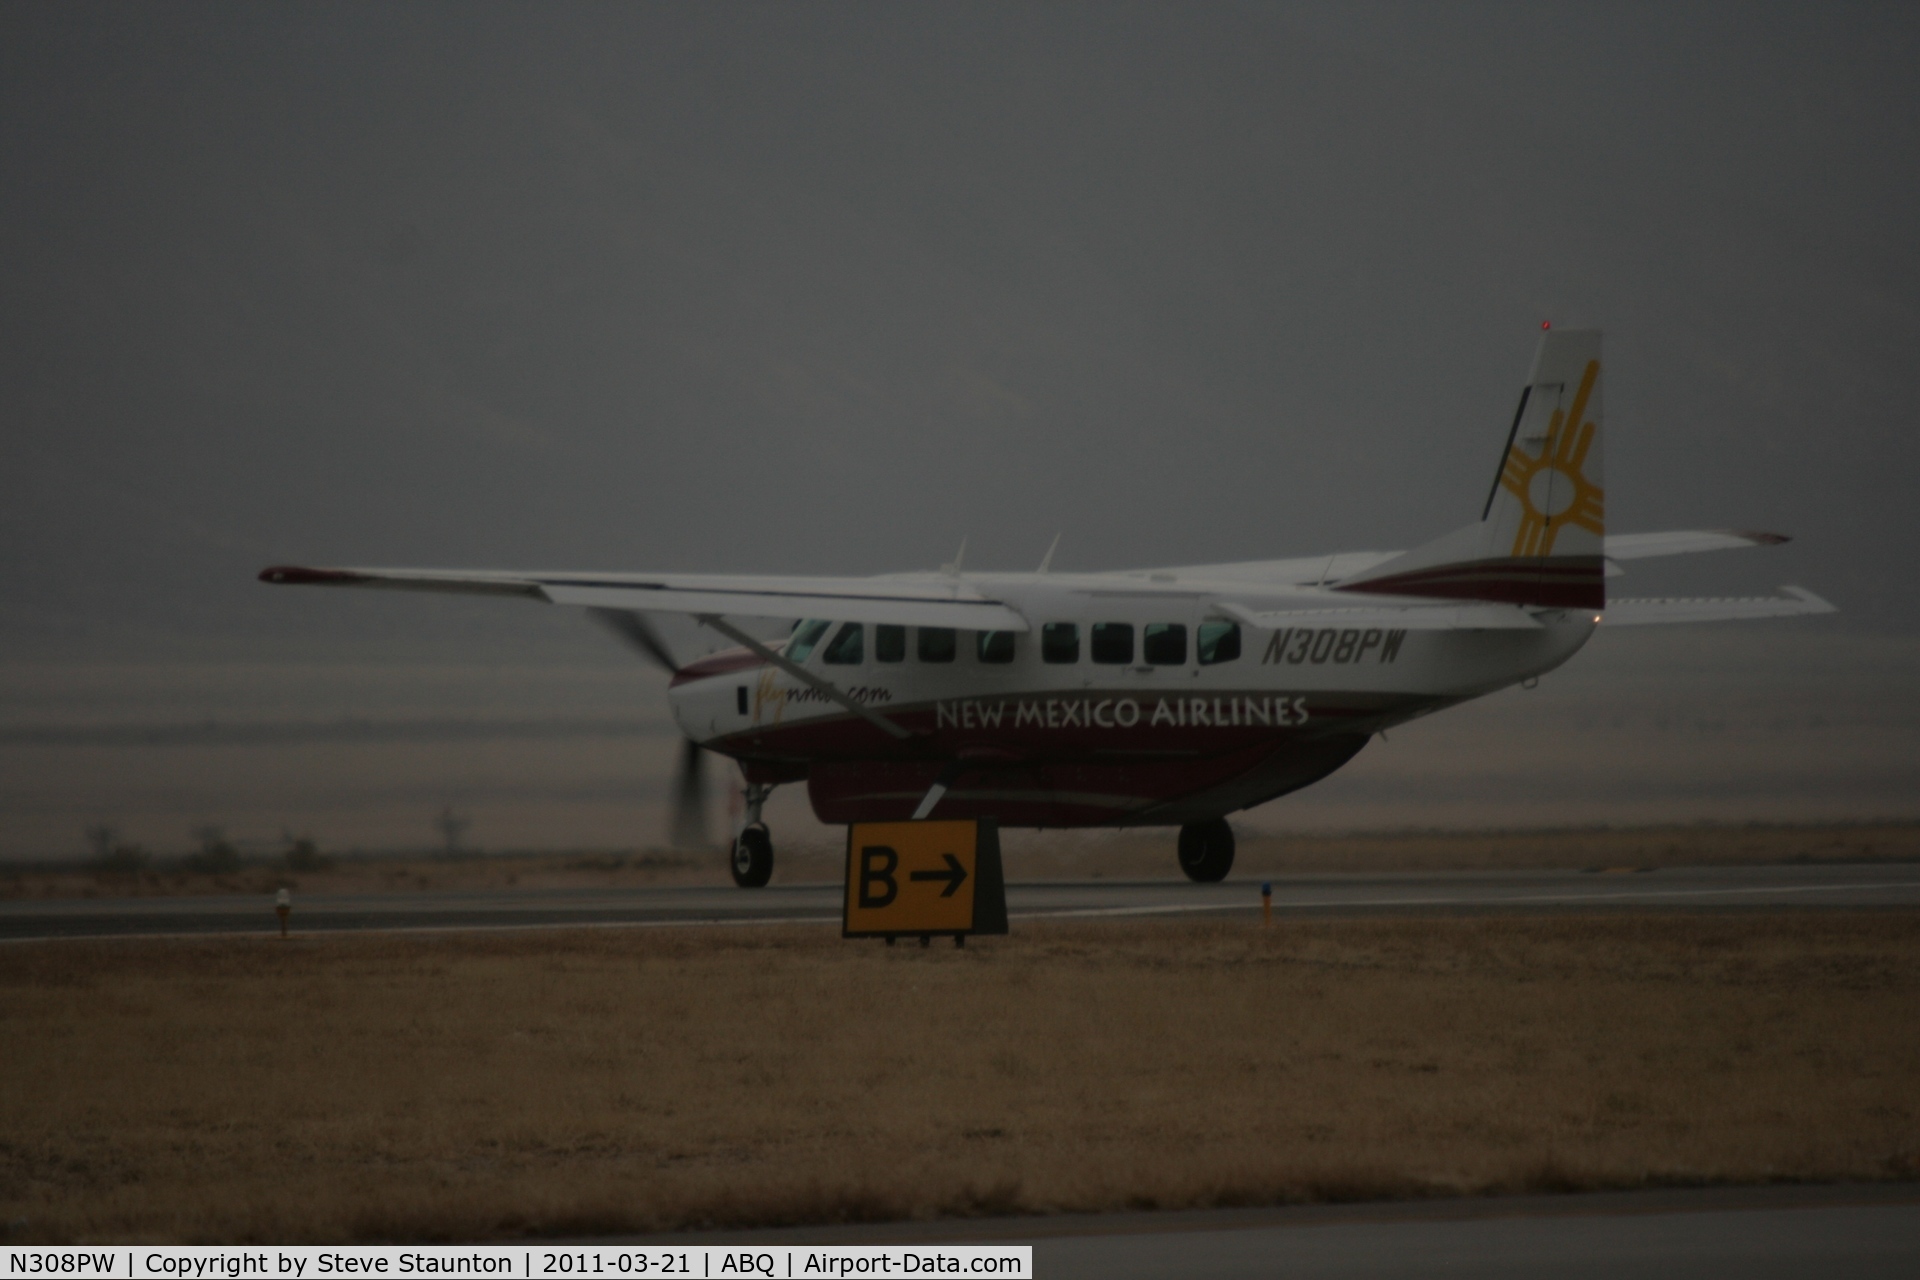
(304, 1262)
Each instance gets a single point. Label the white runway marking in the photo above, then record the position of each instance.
(1542, 898)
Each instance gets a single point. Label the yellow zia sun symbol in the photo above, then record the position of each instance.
(1551, 488)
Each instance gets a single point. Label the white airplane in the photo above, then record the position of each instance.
(1164, 697)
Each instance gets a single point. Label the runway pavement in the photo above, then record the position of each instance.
(1713, 1233)
(1857, 1241)
(1830, 887)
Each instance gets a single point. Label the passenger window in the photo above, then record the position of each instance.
(1112, 642)
(995, 646)
(806, 634)
(937, 644)
(1164, 644)
(849, 646)
(1219, 642)
(889, 643)
(1060, 642)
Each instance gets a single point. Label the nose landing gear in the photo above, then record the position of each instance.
(1206, 850)
(752, 863)
(752, 860)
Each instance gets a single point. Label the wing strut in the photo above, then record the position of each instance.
(800, 673)
(938, 789)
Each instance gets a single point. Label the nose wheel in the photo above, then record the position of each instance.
(752, 860)
(1206, 850)
(752, 864)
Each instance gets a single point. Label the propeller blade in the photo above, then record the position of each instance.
(690, 798)
(634, 628)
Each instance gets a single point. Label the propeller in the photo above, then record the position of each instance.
(689, 827)
(633, 627)
(690, 798)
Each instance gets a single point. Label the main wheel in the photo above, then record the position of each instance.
(752, 864)
(1206, 850)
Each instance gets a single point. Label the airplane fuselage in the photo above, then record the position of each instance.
(1128, 702)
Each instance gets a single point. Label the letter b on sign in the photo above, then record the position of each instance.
(878, 888)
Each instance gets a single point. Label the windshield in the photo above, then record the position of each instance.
(805, 635)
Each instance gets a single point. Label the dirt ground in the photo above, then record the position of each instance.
(485, 1086)
(1046, 855)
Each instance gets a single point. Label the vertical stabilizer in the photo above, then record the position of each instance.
(1540, 536)
(1547, 499)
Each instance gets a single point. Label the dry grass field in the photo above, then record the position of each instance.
(1050, 855)
(484, 1086)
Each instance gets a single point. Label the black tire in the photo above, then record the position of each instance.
(752, 861)
(1206, 850)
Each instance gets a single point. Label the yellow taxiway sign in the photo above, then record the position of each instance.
(923, 878)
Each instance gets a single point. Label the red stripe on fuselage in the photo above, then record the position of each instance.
(1088, 757)
(1085, 794)
(1555, 582)
(1083, 725)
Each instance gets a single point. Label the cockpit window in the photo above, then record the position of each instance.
(937, 644)
(805, 635)
(889, 643)
(1219, 642)
(996, 646)
(848, 647)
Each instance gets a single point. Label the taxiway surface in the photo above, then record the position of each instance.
(1800, 886)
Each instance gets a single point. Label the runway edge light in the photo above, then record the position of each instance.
(923, 879)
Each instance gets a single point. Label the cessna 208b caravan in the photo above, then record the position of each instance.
(1166, 697)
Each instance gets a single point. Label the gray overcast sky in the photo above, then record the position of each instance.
(822, 288)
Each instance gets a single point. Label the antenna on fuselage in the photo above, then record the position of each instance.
(953, 570)
(1047, 559)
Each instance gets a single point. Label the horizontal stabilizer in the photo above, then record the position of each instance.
(1797, 602)
(1680, 542)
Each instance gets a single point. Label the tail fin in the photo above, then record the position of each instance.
(1540, 536)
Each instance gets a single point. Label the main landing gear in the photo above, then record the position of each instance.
(752, 861)
(1206, 850)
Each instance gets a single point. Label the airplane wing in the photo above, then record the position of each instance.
(1680, 542)
(1654, 611)
(1341, 565)
(907, 603)
(1619, 612)
(1416, 617)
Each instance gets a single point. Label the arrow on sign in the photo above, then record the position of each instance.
(955, 875)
